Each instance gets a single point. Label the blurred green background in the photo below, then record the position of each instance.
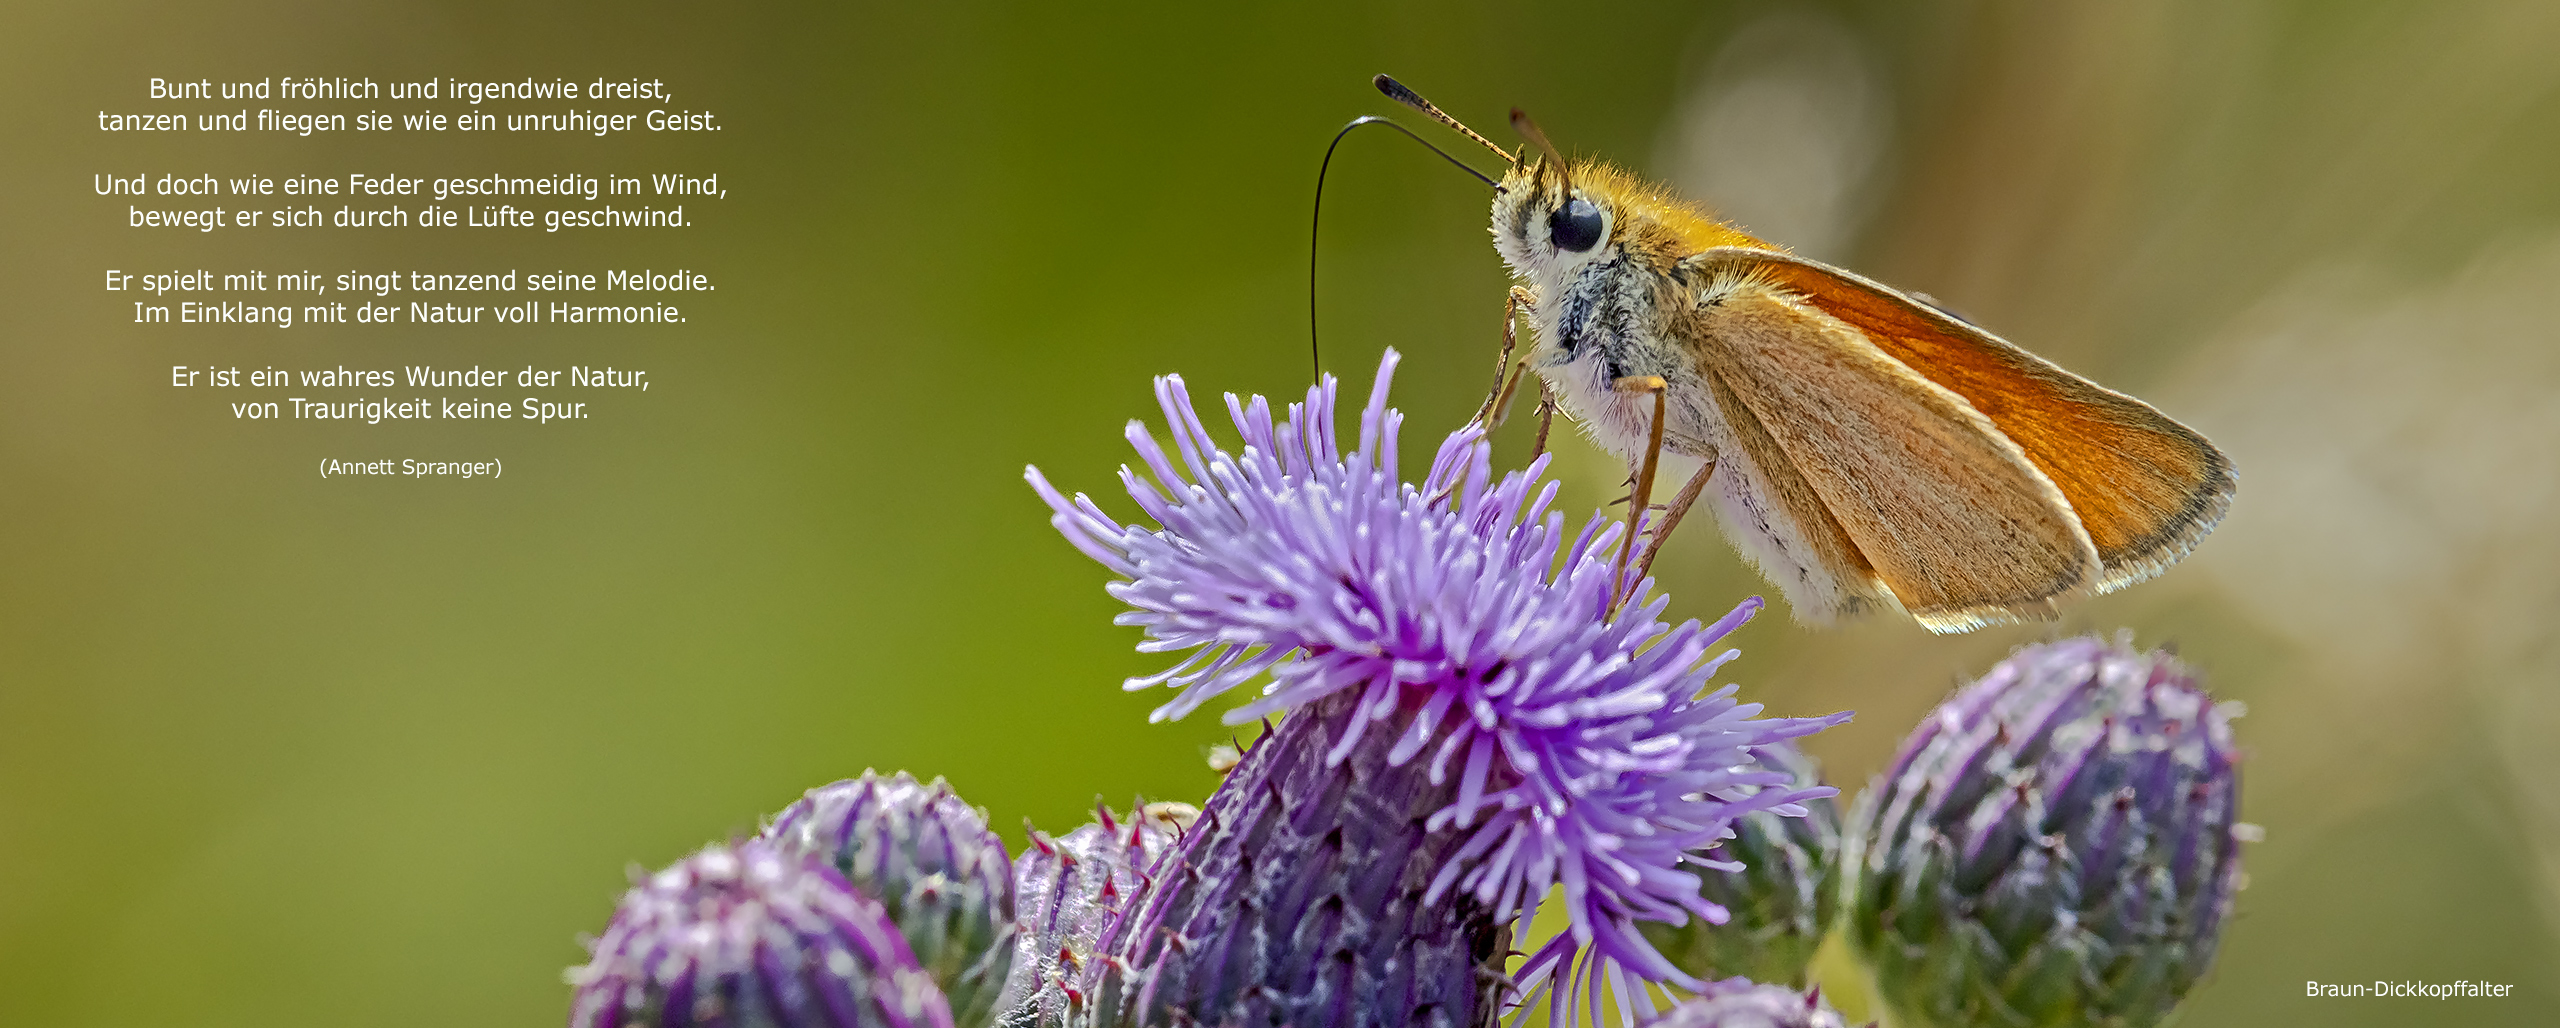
(278, 750)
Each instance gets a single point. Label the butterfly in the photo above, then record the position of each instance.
(1862, 446)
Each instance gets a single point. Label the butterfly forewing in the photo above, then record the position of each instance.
(2143, 486)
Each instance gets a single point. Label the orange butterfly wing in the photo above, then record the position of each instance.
(2145, 487)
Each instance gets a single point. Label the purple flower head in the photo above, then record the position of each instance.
(752, 937)
(1459, 616)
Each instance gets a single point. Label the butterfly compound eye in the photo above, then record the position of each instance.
(1575, 226)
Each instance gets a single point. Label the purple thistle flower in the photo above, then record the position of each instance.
(1457, 617)
(752, 937)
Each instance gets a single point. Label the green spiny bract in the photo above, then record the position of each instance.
(1068, 890)
(1302, 897)
(930, 860)
(2053, 846)
(1782, 901)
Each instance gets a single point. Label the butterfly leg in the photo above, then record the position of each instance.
(1506, 376)
(1641, 502)
(1546, 418)
(1680, 505)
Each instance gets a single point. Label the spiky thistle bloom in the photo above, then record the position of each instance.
(752, 937)
(1460, 619)
(930, 859)
(2053, 845)
(1783, 897)
(1738, 1003)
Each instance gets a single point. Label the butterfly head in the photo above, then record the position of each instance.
(1550, 220)
(1549, 217)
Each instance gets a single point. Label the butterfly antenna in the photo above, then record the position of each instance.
(1316, 231)
(1400, 93)
(1529, 130)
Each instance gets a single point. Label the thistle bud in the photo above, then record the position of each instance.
(1740, 1004)
(1067, 890)
(752, 937)
(2054, 845)
(1783, 899)
(930, 860)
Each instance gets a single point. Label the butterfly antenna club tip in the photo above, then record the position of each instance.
(1403, 94)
